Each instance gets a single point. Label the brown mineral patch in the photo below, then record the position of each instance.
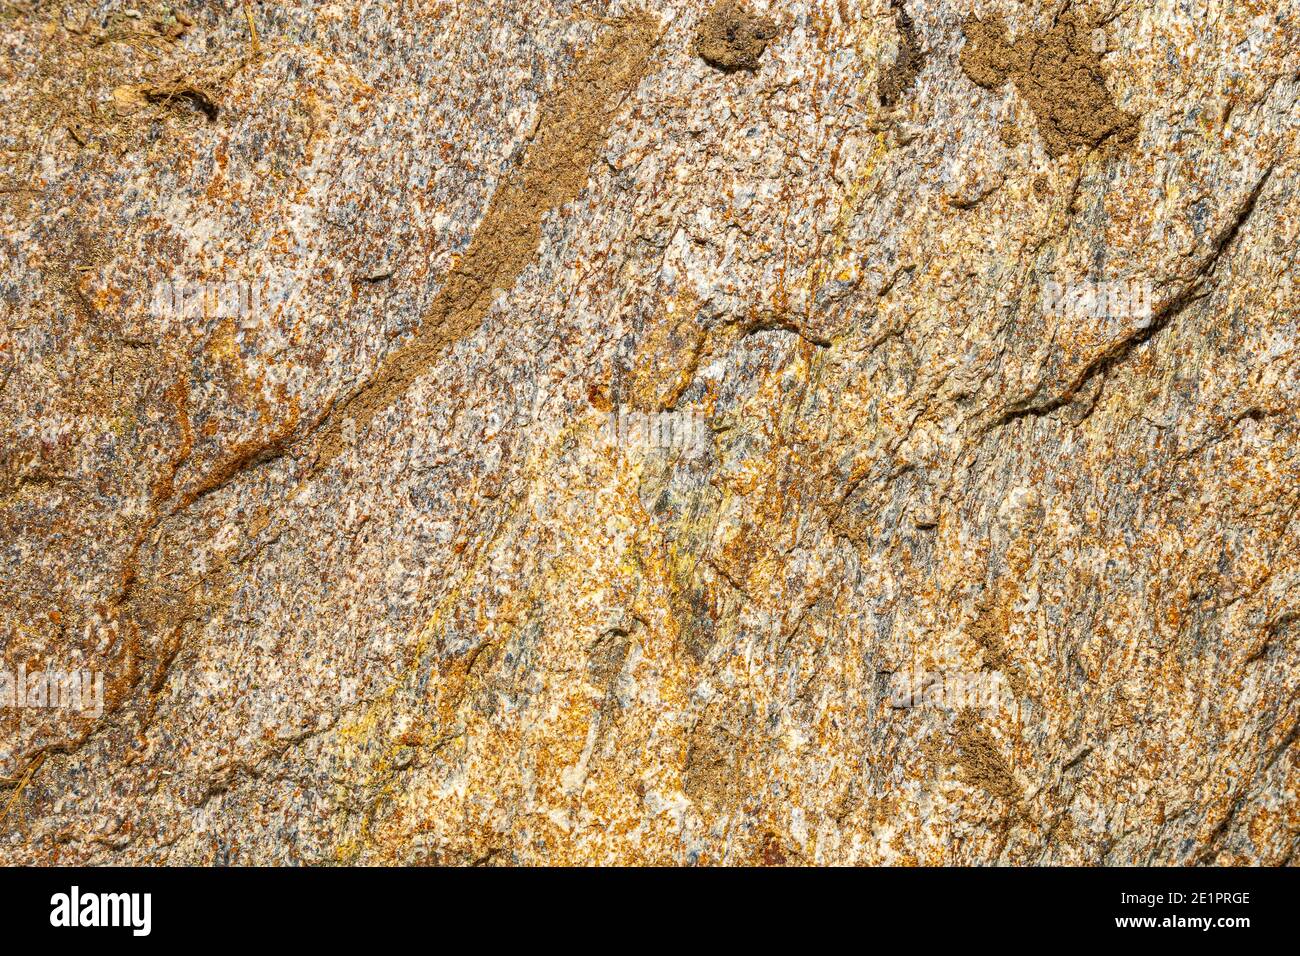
(83, 60)
(598, 395)
(773, 853)
(606, 657)
(898, 79)
(981, 763)
(712, 777)
(1059, 74)
(573, 119)
(992, 623)
(732, 37)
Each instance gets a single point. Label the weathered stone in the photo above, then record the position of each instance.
(733, 37)
(506, 433)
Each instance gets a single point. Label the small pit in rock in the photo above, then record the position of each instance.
(732, 37)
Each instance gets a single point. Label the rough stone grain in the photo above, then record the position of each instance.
(617, 459)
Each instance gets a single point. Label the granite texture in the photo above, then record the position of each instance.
(630, 426)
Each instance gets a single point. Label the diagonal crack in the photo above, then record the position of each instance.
(1193, 291)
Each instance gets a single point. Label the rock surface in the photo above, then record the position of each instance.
(492, 433)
